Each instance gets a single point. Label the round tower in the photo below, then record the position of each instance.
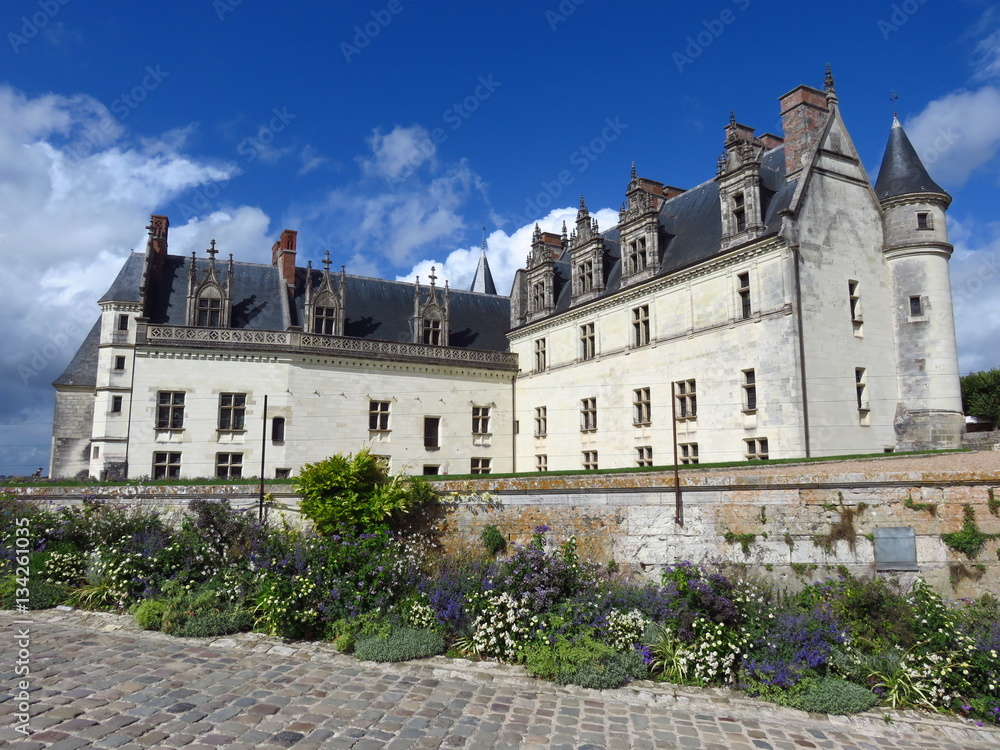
(917, 251)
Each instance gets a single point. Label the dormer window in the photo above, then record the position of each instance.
(586, 276)
(637, 256)
(209, 308)
(739, 212)
(432, 332)
(430, 314)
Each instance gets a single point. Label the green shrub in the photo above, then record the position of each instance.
(149, 613)
(828, 695)
(609, 672)
(401, 644)
(563, 658)
(39, 593)
(355, 493)
(214, 623)
(493, 540)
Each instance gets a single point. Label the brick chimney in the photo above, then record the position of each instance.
(770, 140)
(803, 114)
(158, 227)
(553, 242)
(283, 255)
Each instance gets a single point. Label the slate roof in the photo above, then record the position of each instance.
(483, 280)
(691, 224)
(82, 369)
(125, 287)
(902, 172)
(381, 309)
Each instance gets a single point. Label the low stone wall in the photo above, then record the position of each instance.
(794, 523)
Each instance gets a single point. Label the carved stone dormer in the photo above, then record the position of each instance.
(430, 314)
(546, 248)
(739, 185)
(324, 306)
(586, 250)
(210, 301)
(638, 227)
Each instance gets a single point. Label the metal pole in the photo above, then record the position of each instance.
(678, 502)
(261, 512)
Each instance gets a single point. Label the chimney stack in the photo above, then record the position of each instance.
(158, 227)
(283, 255)
(803, 114)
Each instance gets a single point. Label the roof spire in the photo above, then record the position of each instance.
(482, 281)
(902, 172)
(892, 98)
(831, 90)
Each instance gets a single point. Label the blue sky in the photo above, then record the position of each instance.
(389, 131)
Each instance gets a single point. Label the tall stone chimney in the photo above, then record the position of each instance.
(803, 115)
(283, 255)
(158, 228)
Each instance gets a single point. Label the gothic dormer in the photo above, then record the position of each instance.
(638, 227)
(430, 314)
(586, 249)
(540, 283)
(209, 300)
(324, 306)
(739, 185)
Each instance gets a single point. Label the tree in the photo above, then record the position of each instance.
(356, 494)
(981, 394)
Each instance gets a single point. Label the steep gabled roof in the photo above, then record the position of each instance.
(902, 172)
(482, 282)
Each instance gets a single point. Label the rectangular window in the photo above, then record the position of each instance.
(166, 465)
(585, 274)
(644, 455)
(541, 462)
(916, 306)
(432, 432)
(232, 411)
(481, 465)
(431, 470)
(209, 312)
(540, 359)
(743, 290)
(642, 410)
(541, 421)
(854, 295)
(689, 453)
(170, 410)
(538, 297)
(228, 465)
(96, 452)
(749, 390)
(861, 388)
(432, 332)
(687, 399)
(588, 414)
(640, 325)
(116, 404)
(589, 460)
(282, 473)
(278, 430)
(480, 420)
(378, 415)
(588, 341)
(123, 322)
(637, 257)
(324, 320)
(756, 449)
(739, 212)
(924, 220)
(119, 363)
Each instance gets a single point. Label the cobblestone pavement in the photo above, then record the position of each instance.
(97, 681)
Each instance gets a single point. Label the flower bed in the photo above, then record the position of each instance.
(840, 646)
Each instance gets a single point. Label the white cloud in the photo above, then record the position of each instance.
(975, 283)
(506, 252)
(310, 159)
(958, 133)
(398, 153)
(75, 196)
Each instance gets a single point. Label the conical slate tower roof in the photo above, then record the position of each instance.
(902, 172)
(483, 280)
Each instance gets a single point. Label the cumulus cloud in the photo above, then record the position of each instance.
(958, 133)
(397, 154)
(975, 283)
(75, 196)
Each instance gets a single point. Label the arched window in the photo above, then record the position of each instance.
(325, 315)
(209, 308)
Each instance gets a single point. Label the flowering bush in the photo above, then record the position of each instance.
(625, 629)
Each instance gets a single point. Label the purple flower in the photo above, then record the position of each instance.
(542, 529)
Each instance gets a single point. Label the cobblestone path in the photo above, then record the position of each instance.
(95, 681)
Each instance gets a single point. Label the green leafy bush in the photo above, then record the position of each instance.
(355, 493)
(40, 594)
(493, 540)
(401, 644)
(214, 623)
(609, 672)
(563, 658)
(149, 614)
(828, 695)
